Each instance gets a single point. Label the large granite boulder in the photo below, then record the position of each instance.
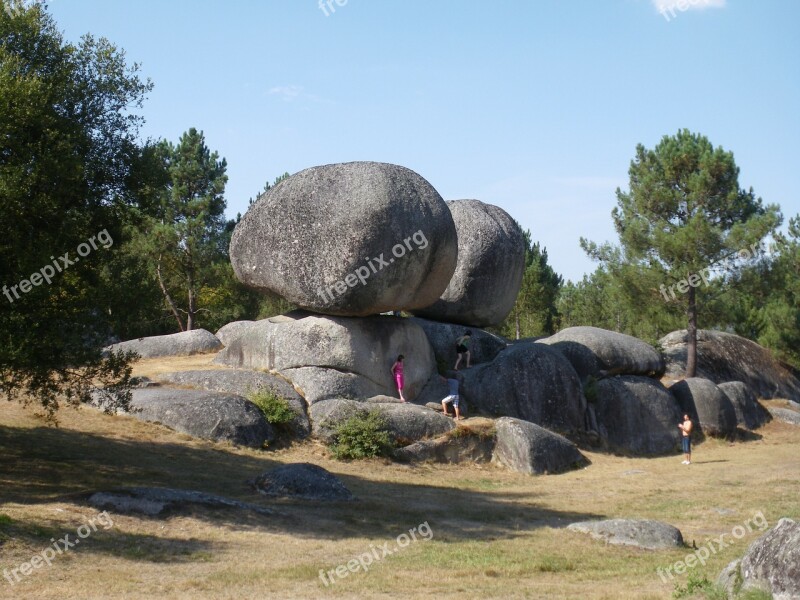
(335, 357)
(527, 448)
(527, 381)
(637, 415)
(185, 343)
(351, 239)
(227, 333)
(725, 357)
(452, 449)
(243, 383)
(302, 480)
(785, 415)
(483, 346)
(406, 423)
(707, 405)
(599, 352)
(771, 564)
(207, 415)
(641, 533)
(491, 261)
(749, 413)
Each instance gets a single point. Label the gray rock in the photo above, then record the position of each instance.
(785, 415)
(707, 405)
(641, 533)
(483, 346)
(771, 563)
(447, 449)
(491, 261)
(350, 239)
(598, 352)
(330, 357)
(186, 343)
(725, 357)
(730, 578)
(302, 480)
(527, 448)
(161, 501)
(231, 331)
(207, 415)
(637, 415)
(527, 381)
(406, 423)
(749, 413)
(243, 383)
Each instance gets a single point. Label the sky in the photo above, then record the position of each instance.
(535, 106)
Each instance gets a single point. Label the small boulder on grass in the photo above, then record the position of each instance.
(642, 533)
(302, 480)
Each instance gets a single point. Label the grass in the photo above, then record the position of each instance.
(494, 533)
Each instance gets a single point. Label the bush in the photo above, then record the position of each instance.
(276, 409)
(363, 435)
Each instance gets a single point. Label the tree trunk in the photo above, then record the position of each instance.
(167, 296)
(192, 303)
(691, 342)
(516, 319)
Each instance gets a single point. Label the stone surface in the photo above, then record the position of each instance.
(302, 480)
(186, 343)
(637, 415)
(407, 423)
(208, 415)
(491, 260)
(749, 413)
(349, 239)
(596, 352)
(162, 501)
(334, 357)
(445, 449)
(243, 382)
(641, 533)
(483, 346)
(707, 405)
(725, 357)
(785, 415)
(771, 563)
(527, 448)
(231, 331)
(527, 381)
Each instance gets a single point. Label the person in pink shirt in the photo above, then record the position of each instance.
(397, 371)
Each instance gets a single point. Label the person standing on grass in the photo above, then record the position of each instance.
(462, 348)
(397, 372)
(453, 395)
(686, 442)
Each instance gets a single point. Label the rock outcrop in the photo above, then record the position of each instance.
(227, 333)
(491, 260)
(641, 533)
(707, 405)
(185, 343)
(749, 413)
(527, 448)
(303, 481)
(350, 239)
(483, 346)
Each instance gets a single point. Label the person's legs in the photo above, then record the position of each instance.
(400, 382)
(445, 401)
(458, 361)
(455, 407)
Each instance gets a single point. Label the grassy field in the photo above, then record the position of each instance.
(492, 533)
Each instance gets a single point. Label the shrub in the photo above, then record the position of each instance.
(276, 409)
(363, 435)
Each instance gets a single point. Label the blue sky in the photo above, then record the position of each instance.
(536, 106)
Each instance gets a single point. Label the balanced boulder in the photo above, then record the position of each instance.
(749, 413)
(637, 415)
(527, 448)
(491, 261)
(350, 239)
(725, 357)
(598, 352)
(707, 405)
(334, 357)
(185, 343)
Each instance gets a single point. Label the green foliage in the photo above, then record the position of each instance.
(5, 520)
(276, 409)
(68, 129)
(694, 585)
(363, 435)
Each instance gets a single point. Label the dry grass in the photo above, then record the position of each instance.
(495, 533)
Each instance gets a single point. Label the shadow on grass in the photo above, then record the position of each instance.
(42, 465)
